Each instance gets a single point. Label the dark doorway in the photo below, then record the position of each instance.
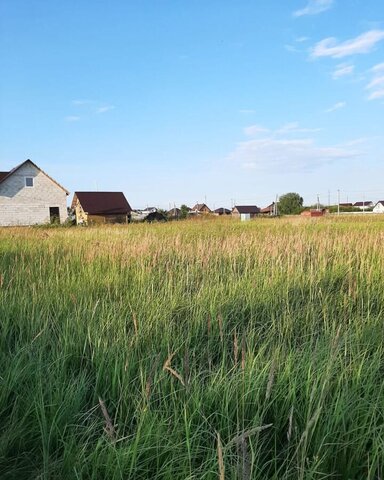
(54, 214)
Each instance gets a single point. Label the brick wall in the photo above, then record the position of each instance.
(21, 205)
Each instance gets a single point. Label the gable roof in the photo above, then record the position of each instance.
(247, 208)
(102, 203)
(362, 204)
(200, 206)
(269, 209)
(380, 201)
(5, 175)
(223, 211)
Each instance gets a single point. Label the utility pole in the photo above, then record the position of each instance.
(276, 202)
(318, 202)
(329, 198)
(338, 201)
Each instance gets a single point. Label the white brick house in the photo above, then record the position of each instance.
(379, 207)
(28, 196)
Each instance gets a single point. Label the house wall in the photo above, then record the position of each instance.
(379, 208)
(21, 205)
(81, 216)
(99, 219)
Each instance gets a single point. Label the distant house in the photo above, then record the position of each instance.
(363, 205)
(201, 208)
(174, 213)
(379, 207)
(270, 210)
(222, 211)
(314, 213)
(155, 217)
(101, 207)
(245, 212)
(346, 204)
(29, 196)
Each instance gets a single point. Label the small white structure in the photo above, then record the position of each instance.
(379, 207)
(28, 196)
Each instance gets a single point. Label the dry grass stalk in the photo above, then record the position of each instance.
(186, 367)
(244, 466)
(243, 352)
(246, 434)
(290, 424)
(220, 458)
(109, 427)
(221, 333)
(235, 348)
(209, 325)
(167, 366)
(271, 377)
(149, 382)
(134, 318)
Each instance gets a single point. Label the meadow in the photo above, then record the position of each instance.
(206, 349)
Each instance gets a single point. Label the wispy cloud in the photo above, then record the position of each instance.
(335, 107)
(314, 7)
(105, 108)
(270, 152)
(291, 48)
(301, 39)
(254, 130)
(294, 128)
(342, 70)
(378, 68)
(82, 102)
(364, 43)
(72, 118)
(376, 85)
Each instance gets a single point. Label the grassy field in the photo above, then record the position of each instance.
(193, 350)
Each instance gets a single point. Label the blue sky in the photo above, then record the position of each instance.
(184, 101)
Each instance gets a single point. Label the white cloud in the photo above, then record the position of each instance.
(247, 111)
(364, 43)
(378, 68)
(72, 118)
(342, 70)
(314, 7)
(253, 130)
(272, 153)
(376, 82)
(376, 85)
(81, 102)
(301, 39)
(291, 49)
(376, 94)
(293, 128)
(105, 108)
(335, 107)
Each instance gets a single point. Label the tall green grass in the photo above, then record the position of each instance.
(193, 350)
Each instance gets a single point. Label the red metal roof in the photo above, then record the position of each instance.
(102, 203)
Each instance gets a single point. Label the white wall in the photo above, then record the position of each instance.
(379, 208)
(21, 205)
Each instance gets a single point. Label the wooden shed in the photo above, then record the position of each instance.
(101, 207)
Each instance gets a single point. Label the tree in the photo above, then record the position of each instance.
(184, 210)
(290, 204)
